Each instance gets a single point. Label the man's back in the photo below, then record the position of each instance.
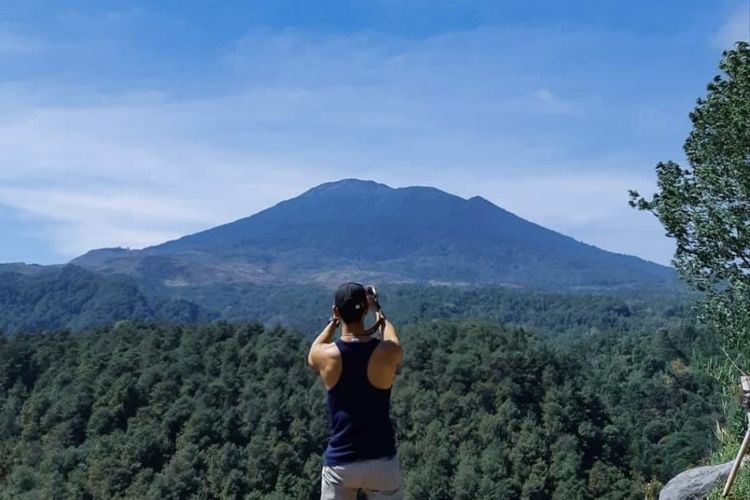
(358, 371)
(358, 410)
(381, 368)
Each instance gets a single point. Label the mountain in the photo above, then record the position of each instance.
(354, 229)
(27, 269)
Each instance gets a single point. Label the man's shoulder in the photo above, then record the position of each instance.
(324, 355)
(329, 354)
(390, 349)
(329, 350)
(389, 345)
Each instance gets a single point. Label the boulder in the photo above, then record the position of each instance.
(696, 484)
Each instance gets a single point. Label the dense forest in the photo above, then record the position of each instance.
(75, 298)
(481, 410)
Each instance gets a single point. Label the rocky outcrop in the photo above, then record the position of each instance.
(695, 484)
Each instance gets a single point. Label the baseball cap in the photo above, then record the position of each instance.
(351, 301)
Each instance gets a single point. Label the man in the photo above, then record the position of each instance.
(358, 371)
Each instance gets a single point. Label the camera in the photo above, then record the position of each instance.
(372, 293)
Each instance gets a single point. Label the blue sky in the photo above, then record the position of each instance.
(130, 123)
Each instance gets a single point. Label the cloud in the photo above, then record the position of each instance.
(736, 27)
(549, 102)
(519, 115)
(132, 174)
(15, 44)
(591, 207)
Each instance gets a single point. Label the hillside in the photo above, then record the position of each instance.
(71, 297)
(74, 298)
(369, 231)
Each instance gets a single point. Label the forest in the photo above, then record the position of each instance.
(230, 410)
(75, 298)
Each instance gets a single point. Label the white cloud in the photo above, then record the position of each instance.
(460, 111)
(553, 103)
(15, 44)
(736, 27)
(132, 175)
(591, 207)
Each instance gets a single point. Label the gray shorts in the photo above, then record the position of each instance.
(379, 478)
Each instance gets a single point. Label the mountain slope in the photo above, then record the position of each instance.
(365, 230)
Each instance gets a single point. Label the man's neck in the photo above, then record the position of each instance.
(354, 329)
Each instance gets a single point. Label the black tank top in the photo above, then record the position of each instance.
(359, 412)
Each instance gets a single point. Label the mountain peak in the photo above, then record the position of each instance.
(361, 228)
(359, 186)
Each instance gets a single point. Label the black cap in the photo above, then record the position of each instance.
(351, 301)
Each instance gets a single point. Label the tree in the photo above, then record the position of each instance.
(223, 411)
(706, 207)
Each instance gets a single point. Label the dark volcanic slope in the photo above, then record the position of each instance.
(367, 230)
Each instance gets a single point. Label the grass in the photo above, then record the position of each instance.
(730, 445)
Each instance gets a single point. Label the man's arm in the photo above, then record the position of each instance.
(390, 338)
(324, 338)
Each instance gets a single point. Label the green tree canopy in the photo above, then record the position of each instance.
(706, 206)
(224, 411)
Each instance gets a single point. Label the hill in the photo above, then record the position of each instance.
(71, 297)
(74, 298)
(369, 231)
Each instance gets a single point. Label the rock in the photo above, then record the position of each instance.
(695, 484)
